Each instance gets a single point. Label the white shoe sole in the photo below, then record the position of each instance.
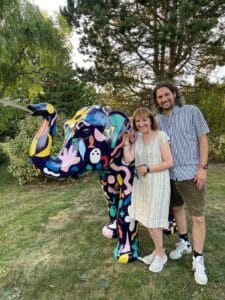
(178, 257)
(199, 281)
(160, 269)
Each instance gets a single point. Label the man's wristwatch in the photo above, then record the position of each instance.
(204, 166)
(148, 169)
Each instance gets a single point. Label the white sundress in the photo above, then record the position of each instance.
(151, 193)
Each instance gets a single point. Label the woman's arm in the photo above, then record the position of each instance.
(167, 161)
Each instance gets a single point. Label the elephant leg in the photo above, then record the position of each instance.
(112, 199)
(127, 249)
(110, 229)
(172, 227)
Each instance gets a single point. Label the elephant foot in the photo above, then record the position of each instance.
(172, 228)
(110, 230)
(124, 256)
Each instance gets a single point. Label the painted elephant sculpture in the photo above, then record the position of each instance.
(93, 141)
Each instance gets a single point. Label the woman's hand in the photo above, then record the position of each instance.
(142, 170)
(129, 138)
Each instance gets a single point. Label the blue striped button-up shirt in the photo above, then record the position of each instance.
(183, 126)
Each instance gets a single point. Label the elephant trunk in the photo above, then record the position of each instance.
(40, 148)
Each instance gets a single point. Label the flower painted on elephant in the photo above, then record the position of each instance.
(135, 245)
(126, 179)
(105, 160)
(82, 148)
(120, 232)
(122, 213)
(131, 221)
(127, 245)
(111, 179)
(95, 155)
(89, 168)
(99, 136)
(74, 169)
(98, 166)
(96, 117)
(80, 115)
(50, 173)
(135, 232)
(119, 179)
(113, 211)
(91, 142)
(108, 132)
(52, 166)
(113, 191)
(68, 158)
(118, 122)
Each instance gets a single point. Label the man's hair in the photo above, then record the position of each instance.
(179, 101)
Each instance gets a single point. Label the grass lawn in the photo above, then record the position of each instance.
(51, 246)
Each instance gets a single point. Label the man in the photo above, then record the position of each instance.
(187, 129)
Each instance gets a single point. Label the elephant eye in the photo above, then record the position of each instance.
(84, 132)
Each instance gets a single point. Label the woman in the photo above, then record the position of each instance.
(151, 186)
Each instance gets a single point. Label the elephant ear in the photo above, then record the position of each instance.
(118, 124)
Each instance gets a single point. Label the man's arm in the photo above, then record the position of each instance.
(201, 175)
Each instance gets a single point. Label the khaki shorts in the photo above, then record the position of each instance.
(186, 191)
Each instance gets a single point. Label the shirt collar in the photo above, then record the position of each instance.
(174, 111)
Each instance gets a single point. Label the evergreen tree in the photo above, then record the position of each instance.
(134, 43)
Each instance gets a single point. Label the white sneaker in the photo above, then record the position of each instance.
(199, 270)
(149, 258)
(182, 248)
(158, 263)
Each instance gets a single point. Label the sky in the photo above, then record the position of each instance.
(52, 7)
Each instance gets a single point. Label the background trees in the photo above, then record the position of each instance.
(35, 63)
(134, 43)
(35, 66)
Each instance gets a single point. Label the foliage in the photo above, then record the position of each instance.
(8, 121)
(133, 43)
(51, 246)
(30, 43)
(125, 102)
(32, 46)
(3, 157)
(210, 99)
(217, 148)
(17, 148)
(66, 93)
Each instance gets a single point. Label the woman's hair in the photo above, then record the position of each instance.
(144, 112)
(179, 101)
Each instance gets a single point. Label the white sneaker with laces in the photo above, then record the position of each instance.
(149, 258)
(182, 247)
(199, 270)
(158, 263)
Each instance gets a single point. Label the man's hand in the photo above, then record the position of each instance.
(200, 178)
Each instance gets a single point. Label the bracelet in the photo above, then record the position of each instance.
(124, 163)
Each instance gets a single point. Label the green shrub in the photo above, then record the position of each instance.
(3, 157)
(17, 149)
(217, 148)
(211, 101)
